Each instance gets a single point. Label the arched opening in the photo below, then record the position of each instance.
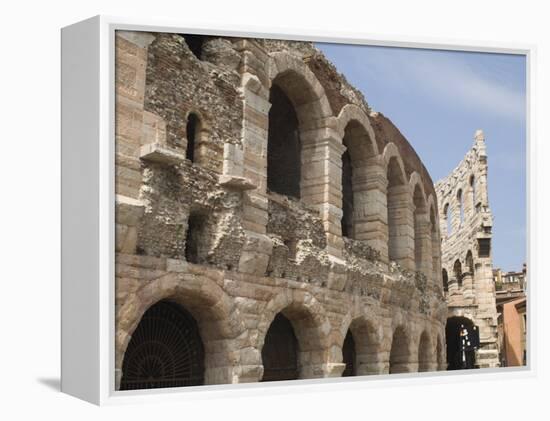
(460, 333)
(419, 227)
(460, 200)
(445, 277)
(457, 272)
(166, 350)
(283, 145)
(399, 354)
(280, 351)
(395, 199)
(349, 357)
(473, 191)
(470, 262)
(359, 148)
(192, 131)
(447, 219)
(424, 353)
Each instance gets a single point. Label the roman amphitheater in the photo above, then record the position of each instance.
(270, 226)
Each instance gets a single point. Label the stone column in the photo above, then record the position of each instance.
(423, 245)
(321, 183)
(400, 226)
(370, 214)
(436, 261)
(486, 317)
(468, 288)
(258, 247)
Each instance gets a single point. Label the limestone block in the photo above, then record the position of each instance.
(256, 252)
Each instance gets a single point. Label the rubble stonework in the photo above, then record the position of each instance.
(208, 234)
(466, 225)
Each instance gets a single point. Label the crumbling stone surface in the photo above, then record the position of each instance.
(208, 234)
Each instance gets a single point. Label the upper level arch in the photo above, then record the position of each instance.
(351, 117)
(301, 86)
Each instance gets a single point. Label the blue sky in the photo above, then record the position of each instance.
(438, 99)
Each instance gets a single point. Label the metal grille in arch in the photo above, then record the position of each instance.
(165, 350)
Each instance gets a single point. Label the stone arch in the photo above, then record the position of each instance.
(197, 131)
(457, 272)
(472, 192)
(421, 224)
(400, 353)
(458, 359)
(425, 352)
(469, 262)
(355, 166)
(311, 327)
(400, 224)
(447, 218)
(321, 149)
(460, 207)
(352, 113)
(219, 321)
(165, 350)
(299, 101)
(301, 86)
(368, 344)
(445, 280)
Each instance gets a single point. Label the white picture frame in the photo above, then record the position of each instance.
(88, 214)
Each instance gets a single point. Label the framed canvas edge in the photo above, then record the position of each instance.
(107, 394)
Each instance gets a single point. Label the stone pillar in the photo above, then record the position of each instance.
(486, 317)
(454, 294)
(401, 226)
(436, 260)
(321, 183)
(370, 214)
(423, 244)
(258, 247)
(468, 288)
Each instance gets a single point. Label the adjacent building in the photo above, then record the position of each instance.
(511, 301)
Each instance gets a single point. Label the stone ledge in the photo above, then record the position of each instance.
(236, 182)
(155, 152)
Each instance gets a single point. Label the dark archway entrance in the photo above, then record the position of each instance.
(280, 351)
(457, 359)
(283, 146)
(348, 353)
(166, 350)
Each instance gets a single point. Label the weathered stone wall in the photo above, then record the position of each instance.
(466, 224)
(256, 253)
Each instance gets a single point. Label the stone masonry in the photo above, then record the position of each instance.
(466, 224)
(197, 224)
